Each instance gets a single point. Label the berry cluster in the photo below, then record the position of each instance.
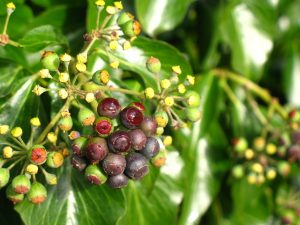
(33, 158)
(269, 155)
(122, 143)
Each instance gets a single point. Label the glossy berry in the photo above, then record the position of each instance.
(21, 184)
(119, 142)
(131, 117)
(118, 181)
(151, 148)
(4, 177)
(38, 155)
(137, 166)
(50, 60)
(138, 105)
(103, 126)
(79, 145)
(114, 164)
(109, 107)
(13, 196)
(96, 149)
(37, 193)
(55, 159)
(86, 117)
(138, 139)
(78, 163)
(95, 175)
(149, 126)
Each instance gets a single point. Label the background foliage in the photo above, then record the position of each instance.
(259, 39)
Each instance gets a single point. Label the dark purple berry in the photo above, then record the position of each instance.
(131, 117)
(78, 163)
(96, 149)
(294, 152)
(149, 126)
(119, 142)
(79, 145)
(138, 139)
(137, 166)
(151, 149)
(109, 107)
(114, 164)
(103, 126)
(118, 181)
(296, 137)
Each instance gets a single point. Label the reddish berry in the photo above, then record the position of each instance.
(138, 105)
(38, 155)
(103, 126)
(114, 164)
(137, 166)
(79, 145)
(131, 117)
(37, 193)
(119, 142)
(109, 107)
(118, 181)
(138, 139)
(95, 175)
(13, 196)
(78, 162)
(21, 184)
(96, 149)
(149, 126)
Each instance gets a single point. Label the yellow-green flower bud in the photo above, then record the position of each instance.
(35, 122)
(17, 132)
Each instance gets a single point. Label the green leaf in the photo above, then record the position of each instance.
(248, 29)
(135, 58)
(157, 16)
(10, 74)
(74, 201)
(41, 37)
(159, 204)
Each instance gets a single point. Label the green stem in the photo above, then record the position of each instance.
(24, 147)
(256, 89)
(88, 47)
(14, 43)
(257, 111)
(106, 20)
(231, 95)
(6, 24)
(98, 17)
(16, 162)
(53, 122)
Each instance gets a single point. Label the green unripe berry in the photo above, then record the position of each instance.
(65, 123)
(131, 28)
(160, 159)
(4, 177)
(37, 193)
(240, 145)
(193, 114)
(50, 60)
(153, 65)
(21, 184)
(238, 171)
(95, 175)
(283, 168)
(55, 159)
(123, 18)
(13, 196)
(193, 98)
(86, 117)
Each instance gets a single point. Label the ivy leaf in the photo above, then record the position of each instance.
(73, 200)
(135, 58)
(41, 37)
(158, 16)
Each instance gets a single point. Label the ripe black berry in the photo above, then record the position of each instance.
(138, 105)
(109, 107)
(119, 141)
(118, 181)
(151, 149)
(137, 166)
(114, 164)
(78, 163)
(131, 117)
(96, 149)
(138, 139)
(103, 126)
(149, 126)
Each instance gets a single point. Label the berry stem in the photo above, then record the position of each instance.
(6, 24)
(231, 95)
(53, 121)
(24, 147)
(256, 89)
(16, 162)
(256, 110)
(99, 10)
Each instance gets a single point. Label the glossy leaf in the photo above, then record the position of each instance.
(158, 16)
(135, 58)
(75, 201)
(41, 37)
